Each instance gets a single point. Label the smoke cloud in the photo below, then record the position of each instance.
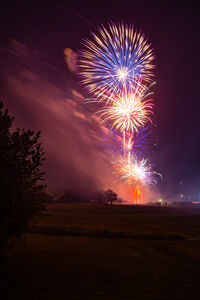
(71, 135)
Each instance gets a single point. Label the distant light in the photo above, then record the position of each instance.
(181, 182)
(181, 195)
(160, 200)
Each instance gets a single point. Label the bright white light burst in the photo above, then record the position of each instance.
(122, 73)
(134, 171)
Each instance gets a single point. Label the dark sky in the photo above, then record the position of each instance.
(33, 38)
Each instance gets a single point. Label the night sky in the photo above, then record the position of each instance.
(41, 92)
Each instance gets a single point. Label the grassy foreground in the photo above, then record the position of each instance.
(89, 251)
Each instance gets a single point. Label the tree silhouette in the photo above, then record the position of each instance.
(21, 188)
(110, 196)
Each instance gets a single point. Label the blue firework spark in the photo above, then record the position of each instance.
(115, 59)
(139, 143)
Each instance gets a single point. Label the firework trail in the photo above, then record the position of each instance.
(139, 145)
(114, 60)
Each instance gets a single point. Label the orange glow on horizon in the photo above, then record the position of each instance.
(133, 194)
(137, 194)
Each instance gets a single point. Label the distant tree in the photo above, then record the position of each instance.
(21, 188)
(110, 196)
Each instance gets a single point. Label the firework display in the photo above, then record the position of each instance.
(116, 69)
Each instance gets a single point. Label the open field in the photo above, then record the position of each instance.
(89, 251)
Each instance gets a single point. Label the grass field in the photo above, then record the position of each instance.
(89, 251)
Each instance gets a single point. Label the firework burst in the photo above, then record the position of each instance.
(134, 171)
(130, 111)
(114, 60)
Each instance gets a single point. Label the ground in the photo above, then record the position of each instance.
(89, 251)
